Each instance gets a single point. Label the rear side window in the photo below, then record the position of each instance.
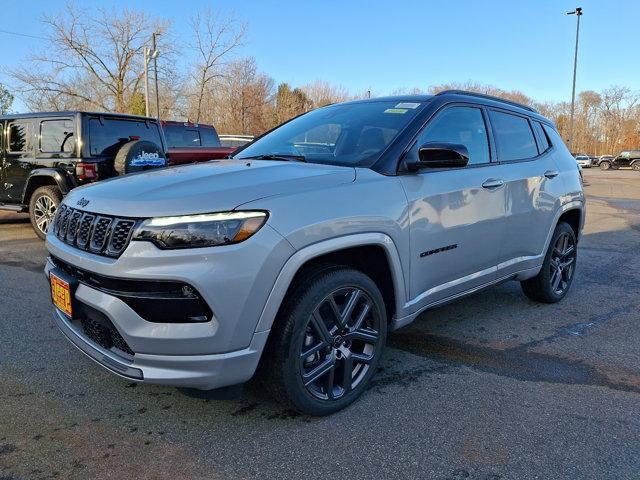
(209, 137)
(20, 134)
(543, 140)
(554, 137)
(108, 135)
(514, 137)
(461, 125)
(56, 136)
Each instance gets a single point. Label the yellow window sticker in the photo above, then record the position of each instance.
(396, 110)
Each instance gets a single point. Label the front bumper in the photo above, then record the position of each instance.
(235, 281)
(194, 371)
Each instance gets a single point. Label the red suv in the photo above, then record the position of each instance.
(192, 142)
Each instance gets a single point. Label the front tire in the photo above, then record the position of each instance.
(605, 165)
(556, 275)
(327, 342)
(42, 208)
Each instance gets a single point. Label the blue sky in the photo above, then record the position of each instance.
(387, 45)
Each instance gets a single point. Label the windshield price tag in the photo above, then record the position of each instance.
(411, 105)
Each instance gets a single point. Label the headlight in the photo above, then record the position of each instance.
(207, 230)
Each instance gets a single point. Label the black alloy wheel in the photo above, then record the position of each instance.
(326, 344)
(554, 279)
(340, 340)
(562, 265)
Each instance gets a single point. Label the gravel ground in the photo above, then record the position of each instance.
(490, 387)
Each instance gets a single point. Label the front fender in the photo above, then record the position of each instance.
(296, 261)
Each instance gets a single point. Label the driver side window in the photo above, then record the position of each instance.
(460, 125)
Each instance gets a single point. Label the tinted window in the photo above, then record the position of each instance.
(106, 137)
(20, 137)
(209, 137)
(179, 136)
(514, 137)
(353, 134)
(56, 136)
(542, 137)
(461, 125)
(554, 137)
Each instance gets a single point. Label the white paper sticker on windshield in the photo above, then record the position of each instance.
(407, 105)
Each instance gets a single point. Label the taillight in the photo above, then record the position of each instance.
(86, 171)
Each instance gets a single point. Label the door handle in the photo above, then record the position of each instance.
(492, 183)
(551, 173)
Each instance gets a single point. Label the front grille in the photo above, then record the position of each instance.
(101, 234)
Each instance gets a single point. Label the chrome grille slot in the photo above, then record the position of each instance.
(84, 230)
(72, 227)
(99, 234)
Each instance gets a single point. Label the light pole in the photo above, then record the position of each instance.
(146, 81)
(154, 55)
(578, 13)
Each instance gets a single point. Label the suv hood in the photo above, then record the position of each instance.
(202, 188)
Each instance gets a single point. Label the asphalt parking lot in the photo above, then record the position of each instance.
(490, 387)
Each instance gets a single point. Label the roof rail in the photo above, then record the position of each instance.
(488, 97)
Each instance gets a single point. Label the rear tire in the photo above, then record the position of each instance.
(316, 362)
(636, 166)
(558, 269)
(42, 208)
(605, 165)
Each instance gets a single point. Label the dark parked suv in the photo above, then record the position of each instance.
(44, 155)
(626, 159)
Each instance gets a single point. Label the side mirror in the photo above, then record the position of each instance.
(440, 155)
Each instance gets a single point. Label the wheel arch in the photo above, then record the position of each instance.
(373, 253)
(573, 217)
(45, 176)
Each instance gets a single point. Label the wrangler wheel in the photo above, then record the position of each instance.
(42, 208)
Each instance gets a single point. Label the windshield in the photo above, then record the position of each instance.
(353, 134)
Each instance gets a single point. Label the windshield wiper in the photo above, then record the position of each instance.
(277, 156)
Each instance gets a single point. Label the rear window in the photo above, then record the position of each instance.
(514, 137)
(56, 136)
(178, 136)
(107, 135)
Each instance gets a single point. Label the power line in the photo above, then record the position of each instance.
(22, 35)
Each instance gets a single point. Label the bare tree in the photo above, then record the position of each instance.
(321, 93)
(91, 61)
(214, 39)
(471, 86)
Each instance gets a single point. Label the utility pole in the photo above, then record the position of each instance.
(578, 13)
(146, 81)
(154, 55)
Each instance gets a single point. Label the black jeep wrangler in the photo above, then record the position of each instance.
(626, 159)
(44, 155)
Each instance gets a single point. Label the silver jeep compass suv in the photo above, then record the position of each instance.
(296, 257)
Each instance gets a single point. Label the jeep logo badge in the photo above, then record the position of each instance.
(83, 202)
